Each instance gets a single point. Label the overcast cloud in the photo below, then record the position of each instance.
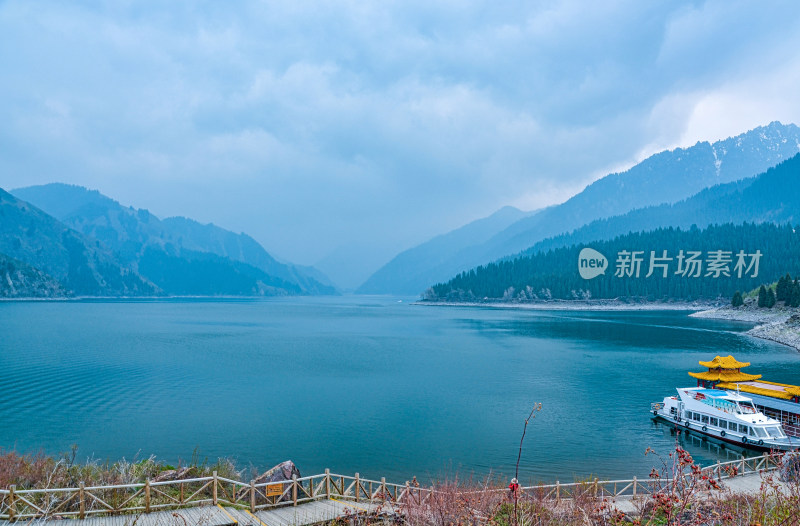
(373, 126)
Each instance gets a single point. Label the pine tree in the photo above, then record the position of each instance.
(737, 300)
(780, 289)
(795, 297)
(770, 298)
(762, 296)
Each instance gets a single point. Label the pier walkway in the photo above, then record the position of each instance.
(317, 512)
(317, 499)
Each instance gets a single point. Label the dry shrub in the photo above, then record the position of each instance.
(454, 503)
(37, 470)
(23, 470)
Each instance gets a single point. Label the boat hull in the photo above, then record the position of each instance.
(735, 439)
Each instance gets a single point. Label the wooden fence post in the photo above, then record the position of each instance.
(408, 490)
(182, 494)
(147, 496)
(634, 486)
(81, 502)
(384, 491)
(12, 503)
(294, 490)
(558, 491)
(327, 482)
(252, 496)
(214, 489)
(356, 487)
(595, 487)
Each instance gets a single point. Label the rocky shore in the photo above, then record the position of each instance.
(779, 324)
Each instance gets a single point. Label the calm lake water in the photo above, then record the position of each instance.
(358, 383)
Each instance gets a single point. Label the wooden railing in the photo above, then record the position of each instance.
(85, 501)
(638, 487)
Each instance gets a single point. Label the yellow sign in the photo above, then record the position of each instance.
(274, 490)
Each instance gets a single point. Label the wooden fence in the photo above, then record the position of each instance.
(85, 501)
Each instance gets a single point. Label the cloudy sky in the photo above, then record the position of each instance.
(366, 127)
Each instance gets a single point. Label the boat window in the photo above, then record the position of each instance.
(752, 434)
(775, 432)
(747, 408)
(760, 432)
(742, 429)
(713, 421)
(727, 406)
(696, 416)
(705, 419)
(673, 410)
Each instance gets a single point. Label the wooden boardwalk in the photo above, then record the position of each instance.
(316, 512)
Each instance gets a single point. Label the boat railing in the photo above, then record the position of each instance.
(791, 429)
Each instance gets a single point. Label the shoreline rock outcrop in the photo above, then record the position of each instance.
(779, 324)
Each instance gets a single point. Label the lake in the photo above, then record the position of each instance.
(368, 384)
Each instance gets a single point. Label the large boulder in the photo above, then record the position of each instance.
(281, 473)
(176, 474)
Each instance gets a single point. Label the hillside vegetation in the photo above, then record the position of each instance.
(716, 271)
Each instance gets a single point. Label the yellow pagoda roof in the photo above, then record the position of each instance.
(724, 362)
(725, 376)
(793, 390)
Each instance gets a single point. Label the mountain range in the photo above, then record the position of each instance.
(666, 177)
(425, 263)
(771, 197)
(175, 256)
(80, 264)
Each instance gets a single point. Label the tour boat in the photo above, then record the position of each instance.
(724, 415)
(775, 400)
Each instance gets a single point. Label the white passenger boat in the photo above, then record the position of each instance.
(776, 400)
(724, 415)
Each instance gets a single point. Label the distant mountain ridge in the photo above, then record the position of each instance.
(755, 214)
(665, 177)
(415, 267)
(773, 196)
(83, 266)
(178, 255)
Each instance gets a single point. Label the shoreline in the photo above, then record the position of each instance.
(778, 324)
(580, 305)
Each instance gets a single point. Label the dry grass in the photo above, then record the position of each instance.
(37, 470)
